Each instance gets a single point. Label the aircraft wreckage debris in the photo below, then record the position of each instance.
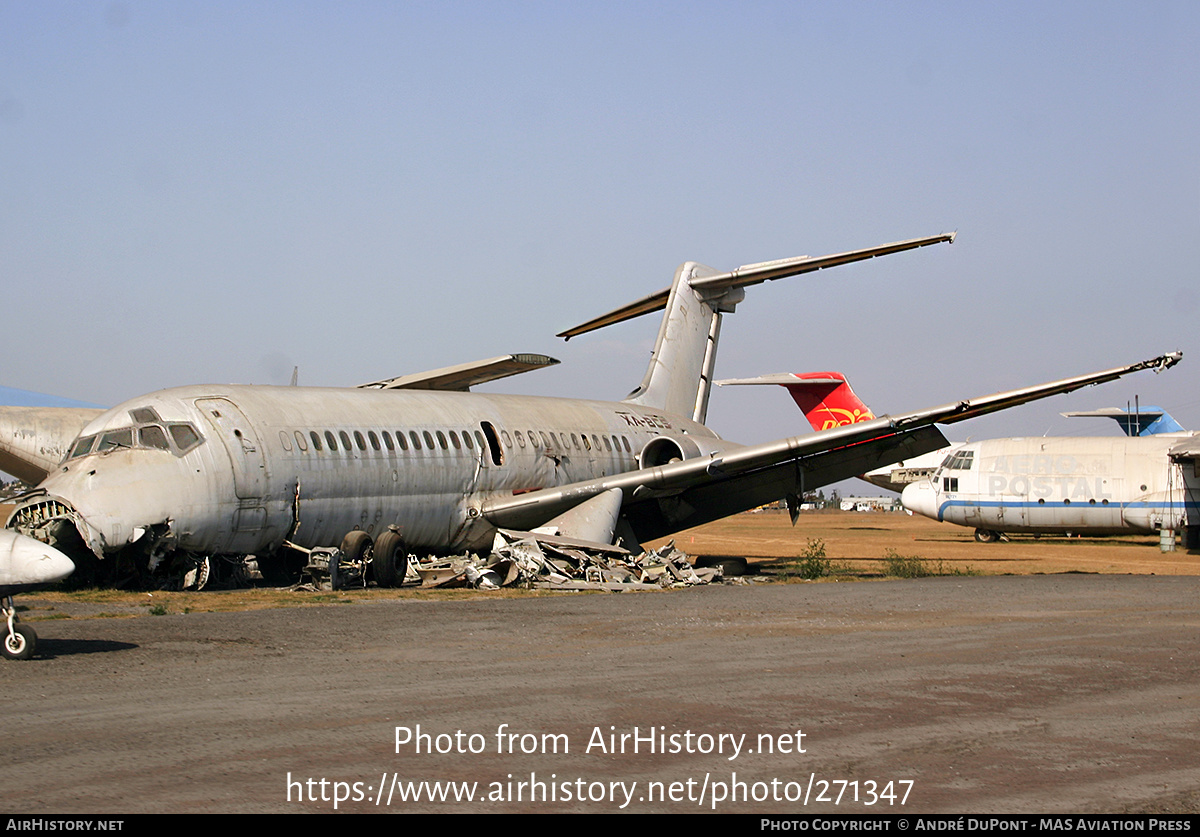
(527, 559)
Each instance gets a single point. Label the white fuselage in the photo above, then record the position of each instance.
(238, 469)
(1097, 485)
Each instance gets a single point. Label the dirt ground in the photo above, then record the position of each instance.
(861, 539)
(1073, 688)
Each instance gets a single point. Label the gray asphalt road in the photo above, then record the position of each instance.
(1073, 693)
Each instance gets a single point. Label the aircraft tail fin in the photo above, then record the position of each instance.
(825, 398)
(679, 377)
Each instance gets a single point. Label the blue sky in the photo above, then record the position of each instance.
(217, 192)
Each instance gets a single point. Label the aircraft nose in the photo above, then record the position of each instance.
(919, 498)
(30, 561)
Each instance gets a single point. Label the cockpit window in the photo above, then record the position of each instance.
(152, 436)
(122, 438)
(83, 447)
(185, 436)
(961, 461)
(144, 415)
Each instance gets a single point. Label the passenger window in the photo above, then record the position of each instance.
(454, 440)
(374, 440)
(387, 441)
(546, 441)
(402, 440)
(442, 440)
(301, 443)
(428, 439)
(284, 438)
(345, 437)
(416, 440)
(330, 440)
(316, 440)
(533, 440)
(359, 440)
(520, 437)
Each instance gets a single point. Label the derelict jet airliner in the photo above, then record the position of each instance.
(165, 482)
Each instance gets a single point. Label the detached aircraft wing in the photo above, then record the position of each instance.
(679, 495)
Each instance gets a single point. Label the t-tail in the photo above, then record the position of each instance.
(679, 378)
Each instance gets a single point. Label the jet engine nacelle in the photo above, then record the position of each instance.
(665, 450)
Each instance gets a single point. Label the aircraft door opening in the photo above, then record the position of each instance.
(242, 443)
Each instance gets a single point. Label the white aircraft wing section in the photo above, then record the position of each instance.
(682, 494)
(462, 377)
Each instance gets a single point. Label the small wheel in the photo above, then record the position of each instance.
(21, 643)
(986, 536)
(389, 562)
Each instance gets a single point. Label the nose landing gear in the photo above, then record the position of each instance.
(20, 641)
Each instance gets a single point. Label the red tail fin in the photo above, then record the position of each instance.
(827, 400)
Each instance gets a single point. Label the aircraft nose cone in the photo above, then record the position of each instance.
(24, 560)
(919, 498)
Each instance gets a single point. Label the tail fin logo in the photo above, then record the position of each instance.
(827, 401)
(839, 417)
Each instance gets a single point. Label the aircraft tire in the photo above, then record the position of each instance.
(389, 562)
(356, 545)
(20, 644)
(986, 536)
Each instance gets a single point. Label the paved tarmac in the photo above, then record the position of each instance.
(1045, 694)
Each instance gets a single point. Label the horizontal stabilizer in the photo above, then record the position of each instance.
(462, 377)
(752, 274)
(1146, 421)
